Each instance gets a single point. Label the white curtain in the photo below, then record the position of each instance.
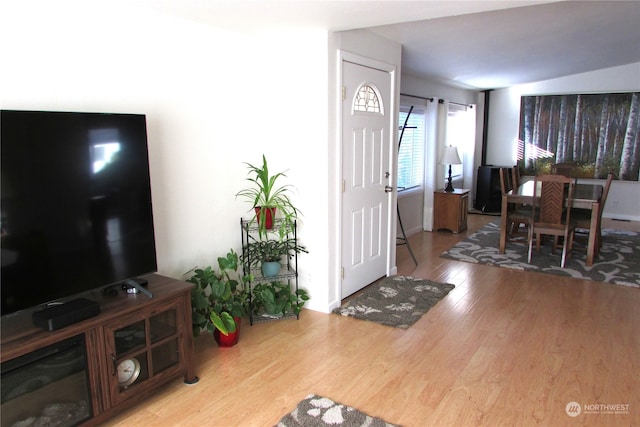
(431, 158)
(463, 121)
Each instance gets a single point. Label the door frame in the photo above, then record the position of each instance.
(391, 267)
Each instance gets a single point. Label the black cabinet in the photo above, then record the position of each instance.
(488, 192)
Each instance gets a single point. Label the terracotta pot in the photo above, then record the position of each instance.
(269, 215)
(230, 339)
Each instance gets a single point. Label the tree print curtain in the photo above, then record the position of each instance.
(596, 132)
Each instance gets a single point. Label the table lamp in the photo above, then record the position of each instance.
(450, 157)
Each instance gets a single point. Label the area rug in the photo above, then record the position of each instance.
(397, 301)
(617, 263)
(318, 411)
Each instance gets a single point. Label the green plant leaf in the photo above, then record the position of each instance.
(198, 300)
(230, 262)
(198, 318)
(224, 322)
(268, 296)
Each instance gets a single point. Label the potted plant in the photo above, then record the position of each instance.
(268, 253)
(268, 198)
(220, 299)
(275, 299)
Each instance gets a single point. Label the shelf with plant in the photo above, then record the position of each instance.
(276, 300)
(258, 254)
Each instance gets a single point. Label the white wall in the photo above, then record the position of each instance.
(213, 99)
(504, 119)
(412, 85)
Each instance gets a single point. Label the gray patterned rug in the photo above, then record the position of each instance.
(397, 301)
(318, 411)
(618, 262)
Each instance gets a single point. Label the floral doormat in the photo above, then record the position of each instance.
(617, 263)
(397, 301)
(318, 411)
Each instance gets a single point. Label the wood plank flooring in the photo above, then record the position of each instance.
(504, 348)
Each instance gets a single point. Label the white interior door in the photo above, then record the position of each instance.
(366, 172)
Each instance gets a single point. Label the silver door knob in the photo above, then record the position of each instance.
(388, 189)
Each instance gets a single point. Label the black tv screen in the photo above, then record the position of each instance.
(75, 205)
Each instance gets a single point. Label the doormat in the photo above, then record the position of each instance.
(318, 411)
(617, 263)
(397, 301)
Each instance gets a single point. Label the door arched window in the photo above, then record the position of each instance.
(367, 100)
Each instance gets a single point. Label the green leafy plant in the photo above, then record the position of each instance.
(219, 296)
(265, 192)
(277, 299)
(271, 250)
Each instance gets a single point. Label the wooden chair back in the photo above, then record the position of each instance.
(605, 192)
(582, 217)
(506, 183)
(515, 217)
(515, 176)
(565, 169)
(552, 192)
(549, 215)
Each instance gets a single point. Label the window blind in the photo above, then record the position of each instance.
(411, 152)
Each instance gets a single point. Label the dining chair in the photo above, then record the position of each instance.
(581, 218)
(516, 215)
(565, 169)
(549, 216)
(515, 176)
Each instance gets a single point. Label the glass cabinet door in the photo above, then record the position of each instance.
(130, 338)
(130, 358)
(165, 347)
(141, 347)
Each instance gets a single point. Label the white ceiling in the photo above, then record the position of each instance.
(468, 44)
(520, 45)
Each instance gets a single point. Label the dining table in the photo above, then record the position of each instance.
(585, 196)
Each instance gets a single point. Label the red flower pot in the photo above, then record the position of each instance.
(269, 215)
(230, 339)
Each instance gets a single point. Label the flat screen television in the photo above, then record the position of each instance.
(75, 208)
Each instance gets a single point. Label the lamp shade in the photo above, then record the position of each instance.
(450, 156)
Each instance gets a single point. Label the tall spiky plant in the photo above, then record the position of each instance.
(266, 193)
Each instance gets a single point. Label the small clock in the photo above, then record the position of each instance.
(128, 371)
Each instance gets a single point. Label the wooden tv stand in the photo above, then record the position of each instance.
(162, 342)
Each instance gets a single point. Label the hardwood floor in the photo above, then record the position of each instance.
(504, 348)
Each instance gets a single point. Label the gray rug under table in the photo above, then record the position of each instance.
(318, 411)
(397, 301)
(617, 263)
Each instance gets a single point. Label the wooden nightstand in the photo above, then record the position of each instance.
(450, 210)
